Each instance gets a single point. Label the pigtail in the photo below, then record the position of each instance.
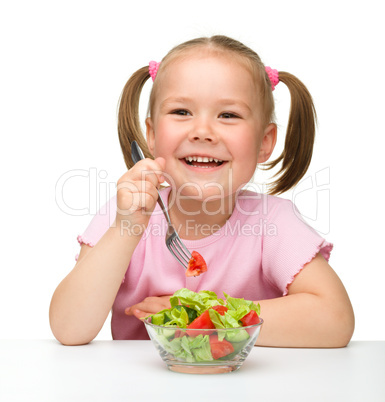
(129, 128)
(300, 135)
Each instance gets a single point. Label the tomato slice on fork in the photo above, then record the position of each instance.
(197, 265)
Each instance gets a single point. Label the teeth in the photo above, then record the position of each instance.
(203, 159)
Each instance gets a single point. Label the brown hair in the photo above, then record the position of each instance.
(300, 133)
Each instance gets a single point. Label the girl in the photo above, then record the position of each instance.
(211, 122)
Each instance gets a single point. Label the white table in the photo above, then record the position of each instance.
(34, 370)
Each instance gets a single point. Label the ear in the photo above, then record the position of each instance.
(268, 143)
(150, 135)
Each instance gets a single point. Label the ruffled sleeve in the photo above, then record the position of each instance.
(289, 245)
(99, 224)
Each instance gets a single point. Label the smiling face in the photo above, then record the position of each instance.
(207, 124)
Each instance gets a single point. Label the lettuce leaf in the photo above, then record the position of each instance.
(192, 314)
(234, 303)
(189, 349)
(210, 299)
(179, 317)
(233, 316)
(158, 318)
(200, 301)
(216, 318)
(239, 335)
(200, 348)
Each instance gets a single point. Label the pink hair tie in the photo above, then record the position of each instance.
(153, 69)
(273, 77)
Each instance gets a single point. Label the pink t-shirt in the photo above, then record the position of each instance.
(255, 255)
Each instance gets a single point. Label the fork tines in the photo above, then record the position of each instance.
(179, 251)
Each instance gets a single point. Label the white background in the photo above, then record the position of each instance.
(63, 67)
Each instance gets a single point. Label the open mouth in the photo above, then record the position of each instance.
(203, 161)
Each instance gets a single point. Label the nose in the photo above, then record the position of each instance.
(202, 131)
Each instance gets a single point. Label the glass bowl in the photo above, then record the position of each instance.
(203, 351)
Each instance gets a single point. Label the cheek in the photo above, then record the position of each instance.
(247, 157)
(167, 137)
(247, 146)
(161, 149)
(160, 139)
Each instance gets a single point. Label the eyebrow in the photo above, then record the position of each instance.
(174, 100)
(232, 102)
(222, 101)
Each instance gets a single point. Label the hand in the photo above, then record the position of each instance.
(150, 305)
(137, 194)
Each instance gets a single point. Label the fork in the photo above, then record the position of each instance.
(173, 241)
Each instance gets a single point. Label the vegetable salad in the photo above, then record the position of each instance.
(191, 312)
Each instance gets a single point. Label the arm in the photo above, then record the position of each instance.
(316, 312)
(83, 300)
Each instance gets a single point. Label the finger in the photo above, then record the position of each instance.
(128, 311)
(134, 196)
(150, 305)
(136, 186)
(133, 311)
(149, 170)
(141, 315)
(144, 169)
(144, 306)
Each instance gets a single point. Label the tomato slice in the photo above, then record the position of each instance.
(220, 309)
(197, 265)
(201, 322)
(220, 348)
(204, 322)
(250, 318)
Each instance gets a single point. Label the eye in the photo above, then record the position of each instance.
(228, 115)
(181, 112)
